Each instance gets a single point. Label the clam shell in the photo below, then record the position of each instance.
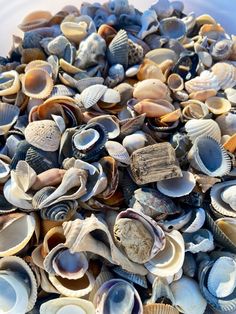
(221, 50)
(134, 141)
(150, 89)
(118, 152)
(195, 128)
(225, 73)
(227, 123)
(148, 70)
(88, 81)
(91, 95)
(173, 27)
(9, 83)
(67, 305)
(196, 222)
(117, 52)
(85, 139)
(44, 135)
(209, 157)
(206, 81)
(177, 187)
(8, 117)
(218, 105)
(160, 55)
(110, 124)
(159, 308)
(194, 109)
(34, 20)
(175, 82)
(199, 241)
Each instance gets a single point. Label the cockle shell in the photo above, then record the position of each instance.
(118, 152)
(134, 141)
(117, 52)
(8, 117)
(196, 222)
(225, 74)
(150, 89)
(110, 124)
(159, 308)
(39, 64)
(199, 241)
(67, 305)
(133, 278)
(209, 157)
(154, 108)
(196, 128)
(9, 83)
(173, 27)
(221, 50)
(175, 82)
(85, 139)
(149, 23)
(34, 20)
(194, 109)
(91, 95)
(206, 81)
(218, 105)
(43, 134)
(227, 123)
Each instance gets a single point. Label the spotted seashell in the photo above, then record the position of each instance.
(206, 81)
(117, 52)
(118, 152)
(225, 73)
(43, 134)
(195, 128)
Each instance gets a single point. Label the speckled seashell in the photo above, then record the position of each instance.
(149, 23)
(67, 305)
(214, 162)
(225, 73)
(23, 225)
(227, 123)
(8, 117)
(221, 49)
(10, 83)
(194, 109)
(91, 95)
(89, 81)
(37, 83)
(212, 31)
(117, 52)
(196, 128)
(150, 89)
(173, 27)
(110, 123)
(34, 20)
(161, 55)
(43, 134)
(118, 152)
(175, 82)
(134, 141)
(149, 70)
(199, 241)
(154, 109)
(206, 81)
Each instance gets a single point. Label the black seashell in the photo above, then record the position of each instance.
(187, 65)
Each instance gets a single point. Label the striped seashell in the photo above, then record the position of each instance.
(8, 116)
(225, 73)
(91, 95)
(206, 81)
(196, 128)
(117, 52)
(118, 152)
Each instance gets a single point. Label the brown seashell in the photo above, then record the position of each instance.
(150, 70)
(150, 89)
(159, 308)
(203, 95)
(154, 109)
(107, 32)
(205, 19)
(51, 177)
(166, 65)
(230, 144)
(34, 20)
(46, 225)
(205, 182)
(52, 239)
(212, 31)
(175, 82)
(32, 54)
(171, 117)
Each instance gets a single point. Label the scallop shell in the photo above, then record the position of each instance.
(154, 108)
(110, 123)
(37, 83)
(194, 109)
(9, 83)
(218, 105)
(44, 135)
(34, 20)
(117, 52)
(159, 308)
(221, 50)
(67, 305)
(91, 95)
(134, 141)
(196, 222)
(209, 157)
(173, 27)
(175, 82)
(227, 123)
(206, 81)
(85, 139)
(23, 225)
(199, 241)
(148, 70)
(177, 187)
(150, 89)
(8, 117)
(225, 74)
(196, 128)
(118, 152)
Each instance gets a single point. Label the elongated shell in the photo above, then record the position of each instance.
(8, 116)
(206, 81)
(118, 152)
(34, 20)
(196, 128)
(10, 83)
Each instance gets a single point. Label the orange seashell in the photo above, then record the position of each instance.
(107, 32)
(171, 117)
(230, 145)
(130, 81)
(115, 200)
(154, 109)
(150, 89)
(166, 65)
(46, 225)
(51, 177)
(203, 95)
(212, 31)
(150, 70)
(45, 111)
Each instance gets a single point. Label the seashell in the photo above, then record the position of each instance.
(205, 58)
(158, 308)
(23, 225)
(199, 241)
(8, 117)
(138, 235)
(196, 222)
(221, 49)
(34, 20)
(225, 73)
(37, 83)
(31, 54)
(227, 123)
(111, 96)
(62, 90)
(222, 284)
(190, 265)
(91, 52)
(106, 298)
(86, 82)
(67, 305)
(91, 95)
(149, 70)
(40, 162)
(206, 81)
(117, 52)
(205, 19)
(171, 258)
(214, 161)
(9, 83)
(117, 73)
(230, 144)
(57, 46)
(222, 200)
(161, 55)
(187, 295)
(44, 135)
(212, 31)
(85, 139)
(173, 28)
(134, 141)
(150, 89)
(195, 128)
(230, 94)
(218, 105)
(194, 109)
(154, 109)
(163, 8)
(118, 152)
(109, 123)
(206, 182)
(59, 212)
(107, 32)
(149, 23)
(176, 223)
(177, 187)
(175, 82)
(133, 278)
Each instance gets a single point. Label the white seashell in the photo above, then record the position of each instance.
(91, 95)
(86, 139)
(134, 141)
(60, 122)
(206, 81)
(205, 58)
(132, 71)
(231, 95)
(222, 277)
(4, 171)
(149, 23)
(229, 196)
(163, 8)
(199, 241)
(111, 96)
(227, 123)
(225, 73)
(196, 222)
(187, 295)
(67, 305)
(177, 187)
(118, 152)
(8, 116)
(196, 128)
(176, 223)
(110, 123)
(9, 83)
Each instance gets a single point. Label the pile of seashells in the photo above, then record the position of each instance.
(117, 163)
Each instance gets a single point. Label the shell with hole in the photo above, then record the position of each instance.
(199, 241)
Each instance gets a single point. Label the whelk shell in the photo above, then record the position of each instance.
(218, 105)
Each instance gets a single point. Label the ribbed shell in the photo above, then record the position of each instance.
(206, 81)
(118, 152)
(196, 128)
(117, 52)
(225, 73)
(91, 95)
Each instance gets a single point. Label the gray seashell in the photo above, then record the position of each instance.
(119, 6)
(117, 52)
(91, 95)
(133, 278)
(149, 23)
(4, 171)
(163, 8)
(110, 124)
(8, 116)
(6, 207)
(209, 157)
(196, 222)
(227, 123)
(173, 27)
(57, 46)
(85, 139)
(155, 41)
(37, 161)
(54, 62)
(86, 82)
(196, 128)
(221, 49)
(199, 241)
(42, 195)
(189, 21)
(62, 90)
(117, 73)
(134, 141)
(69, 54)
(190, 265)
(60, 211)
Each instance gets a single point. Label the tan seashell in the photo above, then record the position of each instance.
(171, 117)
(159, 308)
(73, 31)
(205, 19)
(69, 68)
(11, 83)
(44, 135)
(166, 66)
(203, 95)
(150, 70)
(175, 82)
(205, 58)
(34, 20)
(194, 109)
(107, 32)
(230, 144)
(51, 177)
(150, 89)
(225, 73)
(218, 105)
(206, 81)
(211, 31)
(160, 55)
(37, 83)
(39, 64)
(154, 109)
